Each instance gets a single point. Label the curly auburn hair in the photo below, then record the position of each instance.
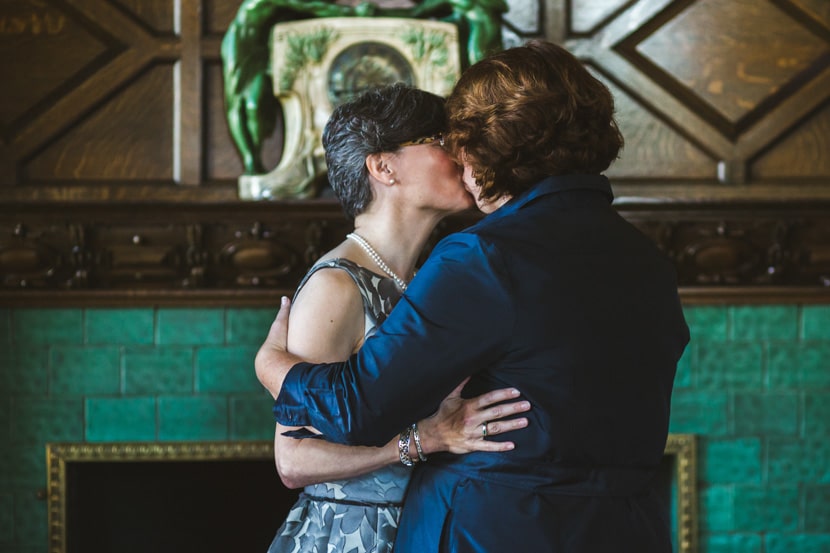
(530, 112)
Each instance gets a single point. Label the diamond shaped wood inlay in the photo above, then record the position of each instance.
(819, 9)
(60, 48)
(587, 14)
(711, 57)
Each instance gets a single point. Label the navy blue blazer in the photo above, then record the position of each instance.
(554, 294)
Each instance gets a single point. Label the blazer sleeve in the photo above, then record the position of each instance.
(455, 319)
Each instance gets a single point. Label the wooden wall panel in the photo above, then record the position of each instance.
(127, 137)
(118, 95)
(116, 107)
(157, 15)
(653, 148)
(734, 77)
(800, 154)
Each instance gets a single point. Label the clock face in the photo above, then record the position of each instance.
(366, 65)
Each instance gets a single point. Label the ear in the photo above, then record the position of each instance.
(381, 168)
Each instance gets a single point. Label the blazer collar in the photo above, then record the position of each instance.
(554, 185)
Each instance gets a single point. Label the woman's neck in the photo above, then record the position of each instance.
(398, 238)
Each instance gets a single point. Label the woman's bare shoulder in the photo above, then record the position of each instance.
(327, 317)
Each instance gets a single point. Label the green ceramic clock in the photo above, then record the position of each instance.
(317, 64)
(364, 65)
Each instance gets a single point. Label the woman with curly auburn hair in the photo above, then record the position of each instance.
(528, 113)
(552, 293)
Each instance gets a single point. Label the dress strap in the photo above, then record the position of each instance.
(378, 299)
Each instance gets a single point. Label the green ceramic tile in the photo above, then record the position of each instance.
(779, 322)
(24, 548)
(5, 465)
(5, 419)
(26, 370)
(30, 525)
(193, 418)
(815, 322)
(5, 328)
(249, 325)
(815, 370)
(6, 518)
(226, 369)
(252, 417)
(731, 461)
(161, 370)
(805, 543)
(699, 413)
(120, 326)
(765, 509)
(85, 371)
(799, 365)
(758, 414)
(683, 378)
(191, 326)
(792, 460)
(817, 509)
(47, 326)
(731, 543)
(23, 466)
(730, 365)
(47, 420)
(717, 509)
(707, 323)
(130, 419)
(817, 414)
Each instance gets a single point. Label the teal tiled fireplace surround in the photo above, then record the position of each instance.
(754, 386)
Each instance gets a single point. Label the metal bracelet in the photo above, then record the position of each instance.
(403, 447)
(417, 437)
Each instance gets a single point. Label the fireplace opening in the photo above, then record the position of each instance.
(223, 506)
(210, 498)
(218, 497)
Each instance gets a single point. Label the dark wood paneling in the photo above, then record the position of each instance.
(735, 81)
(118, 175)
(254, 252)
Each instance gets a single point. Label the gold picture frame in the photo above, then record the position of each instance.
(59, 454)
(681, 451)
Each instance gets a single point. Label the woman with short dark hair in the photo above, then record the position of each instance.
(387, 165)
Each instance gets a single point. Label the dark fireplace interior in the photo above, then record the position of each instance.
(221, 506)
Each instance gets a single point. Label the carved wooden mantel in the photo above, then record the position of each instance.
(249, 253)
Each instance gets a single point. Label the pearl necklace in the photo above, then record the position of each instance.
(377, 259)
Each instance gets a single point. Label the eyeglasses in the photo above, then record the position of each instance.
(439, 138)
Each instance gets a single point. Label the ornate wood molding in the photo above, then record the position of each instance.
(236, 253)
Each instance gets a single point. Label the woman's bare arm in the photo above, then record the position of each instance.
(327, 324)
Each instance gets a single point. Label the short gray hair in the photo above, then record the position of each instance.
(378, 120)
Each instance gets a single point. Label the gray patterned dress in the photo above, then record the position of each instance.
(360, 514)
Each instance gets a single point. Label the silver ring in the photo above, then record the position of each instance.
(484, 430)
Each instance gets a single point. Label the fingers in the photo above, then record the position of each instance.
(285, 310)
(500, 427)
(497, 396)
(504, 410)
(457, 391)
(279, 328)
(486, 445)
